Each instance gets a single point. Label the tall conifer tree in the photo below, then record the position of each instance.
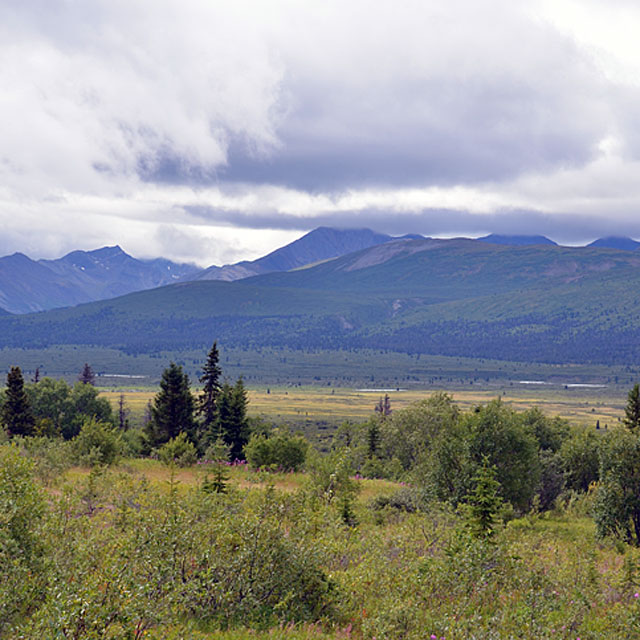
(232, 422)
(87, 376)
(172, 408)
(16, 413)
(631, 418)
(207, 405)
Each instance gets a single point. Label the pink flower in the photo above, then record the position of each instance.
(636, 595)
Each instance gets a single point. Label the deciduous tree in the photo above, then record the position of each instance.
(617, 508)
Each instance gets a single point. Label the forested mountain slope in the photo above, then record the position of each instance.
(449, 297)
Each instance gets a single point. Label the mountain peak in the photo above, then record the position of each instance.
(109, 251)
(322, 243)
(623, 243)
(517, 241)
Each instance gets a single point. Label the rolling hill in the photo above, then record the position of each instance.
(516, 241)
(460, 297)
(616, 242)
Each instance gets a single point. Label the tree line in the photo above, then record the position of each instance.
(218, 414)
(180, 425)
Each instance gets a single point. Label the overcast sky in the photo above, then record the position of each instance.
(211, 131)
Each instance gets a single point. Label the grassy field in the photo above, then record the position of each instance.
(332, 368)
(240, 477)
(552, 579)
(329, 406)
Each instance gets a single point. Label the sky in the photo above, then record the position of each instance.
(212, 131)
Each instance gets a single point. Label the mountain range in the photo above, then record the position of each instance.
(27, 285)
(320, 244)
(525, 302)
(80, 276)
(83, 276)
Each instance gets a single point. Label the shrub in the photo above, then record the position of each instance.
(51, 456)
(407, 499)
(330, 477)
(22, 508)
(282, 451)
(97, 443)
(178, 450)
(580, 459)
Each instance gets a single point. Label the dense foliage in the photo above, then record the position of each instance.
(115, 555)
(476, 524)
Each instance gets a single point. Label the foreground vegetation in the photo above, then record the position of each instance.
(426, 521)
(135, 552)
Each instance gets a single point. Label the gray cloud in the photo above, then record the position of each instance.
(120, 114)
(570, 229)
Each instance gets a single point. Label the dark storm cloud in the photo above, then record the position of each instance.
(442, 136)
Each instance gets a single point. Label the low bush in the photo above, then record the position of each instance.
(281, 452)
(97, 443)
(179, 451)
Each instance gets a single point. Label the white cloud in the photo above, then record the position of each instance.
(135, 122)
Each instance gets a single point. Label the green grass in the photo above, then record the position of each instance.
(551, 578)
(317, 410)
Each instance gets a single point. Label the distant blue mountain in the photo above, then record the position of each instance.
(80, 276)
(516, 241)
(320, 244)
(616, 242)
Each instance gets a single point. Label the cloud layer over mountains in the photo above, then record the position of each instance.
(214, 131)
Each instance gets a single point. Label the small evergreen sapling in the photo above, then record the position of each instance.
(219, 454)
(485, 503)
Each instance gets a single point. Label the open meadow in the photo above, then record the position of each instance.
(306, 407)
(390, 573)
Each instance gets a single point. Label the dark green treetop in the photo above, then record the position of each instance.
(210, 379)
(172, 408)
(631, 418)
(16, 412)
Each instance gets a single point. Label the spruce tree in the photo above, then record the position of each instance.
(87, 376)
(631, 418)
(172, 408)
(123, 414)
(16, 413)
(208, 399)
(231, 421)
(373, 437)
(485, 502)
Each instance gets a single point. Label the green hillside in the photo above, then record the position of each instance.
(456, 297)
